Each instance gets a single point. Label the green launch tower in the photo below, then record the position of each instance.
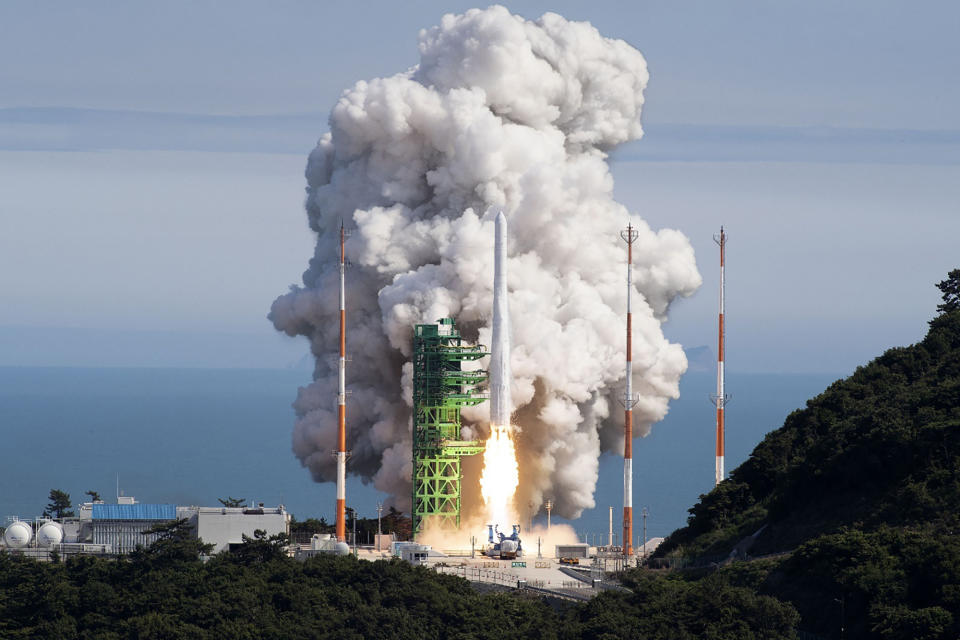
(440, 388)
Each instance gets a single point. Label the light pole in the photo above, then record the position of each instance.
(843, 607)
(354, 532)
(644, 513)
(379, 531)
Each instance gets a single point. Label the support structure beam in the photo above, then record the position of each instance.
(440, 389)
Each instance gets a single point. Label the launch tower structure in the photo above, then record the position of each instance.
(440, 389)
(629, 236)
(341, 453)
(721, 397)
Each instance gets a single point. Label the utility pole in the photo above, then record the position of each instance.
(379, 530)
(644, 514)
(354, 532)
(842, 600)
(610, 539)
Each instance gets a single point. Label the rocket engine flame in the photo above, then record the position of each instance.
(501, 477)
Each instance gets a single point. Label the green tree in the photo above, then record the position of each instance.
(175, 544)
(94, 496)
(232, 502)
(950, 288)
(260, 548)
(59, 506)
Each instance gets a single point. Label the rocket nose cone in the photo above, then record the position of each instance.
(501, 219)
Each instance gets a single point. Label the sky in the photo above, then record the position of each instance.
(151, 168)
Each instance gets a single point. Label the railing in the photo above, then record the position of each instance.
(481, 572)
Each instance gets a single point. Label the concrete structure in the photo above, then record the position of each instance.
(577, 550)
(415, 553)
(224, 527)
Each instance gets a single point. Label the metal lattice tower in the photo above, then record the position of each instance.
(440, 389)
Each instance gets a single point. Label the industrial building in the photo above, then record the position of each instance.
(224, 527)
(118, 529)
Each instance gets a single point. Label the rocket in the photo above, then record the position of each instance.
(500, 402)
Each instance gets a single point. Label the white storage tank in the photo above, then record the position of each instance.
(50, 534)
(18, 534)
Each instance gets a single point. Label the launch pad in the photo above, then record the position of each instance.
(440, 389)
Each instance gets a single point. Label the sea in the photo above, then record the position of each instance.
(191, 436)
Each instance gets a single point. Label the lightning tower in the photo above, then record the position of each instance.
(342, 408)
(629, 400)
(720, 399)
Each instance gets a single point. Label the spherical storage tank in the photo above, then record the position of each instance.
(18, 535)
(50, 534)
(341, 549)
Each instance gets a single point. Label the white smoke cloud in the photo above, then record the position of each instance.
(501, 112)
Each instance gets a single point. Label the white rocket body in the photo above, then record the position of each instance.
(501, 404)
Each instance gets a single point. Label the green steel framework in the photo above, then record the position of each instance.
(440, 388)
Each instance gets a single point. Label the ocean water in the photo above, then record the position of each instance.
(190, 436)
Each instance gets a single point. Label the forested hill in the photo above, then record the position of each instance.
(880, 447)
(863, 487)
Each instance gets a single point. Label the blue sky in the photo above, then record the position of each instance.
(151, 165)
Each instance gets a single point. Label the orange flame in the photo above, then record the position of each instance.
(500, 477)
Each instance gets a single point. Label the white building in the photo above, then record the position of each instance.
(111, 529)
(224, 527)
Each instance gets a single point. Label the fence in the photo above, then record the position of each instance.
(574, 590)
(499, 576)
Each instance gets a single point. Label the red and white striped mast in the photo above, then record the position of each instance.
(629, 235)
(720, 399)
(342, 408)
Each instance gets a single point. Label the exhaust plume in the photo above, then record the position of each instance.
(507, 113)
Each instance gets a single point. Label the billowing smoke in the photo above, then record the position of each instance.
(500, 112)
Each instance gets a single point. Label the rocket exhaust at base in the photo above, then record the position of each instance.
(501, 405)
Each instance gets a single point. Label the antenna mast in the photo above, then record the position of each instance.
(629, 400)
(720, 399)
(342, 408)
